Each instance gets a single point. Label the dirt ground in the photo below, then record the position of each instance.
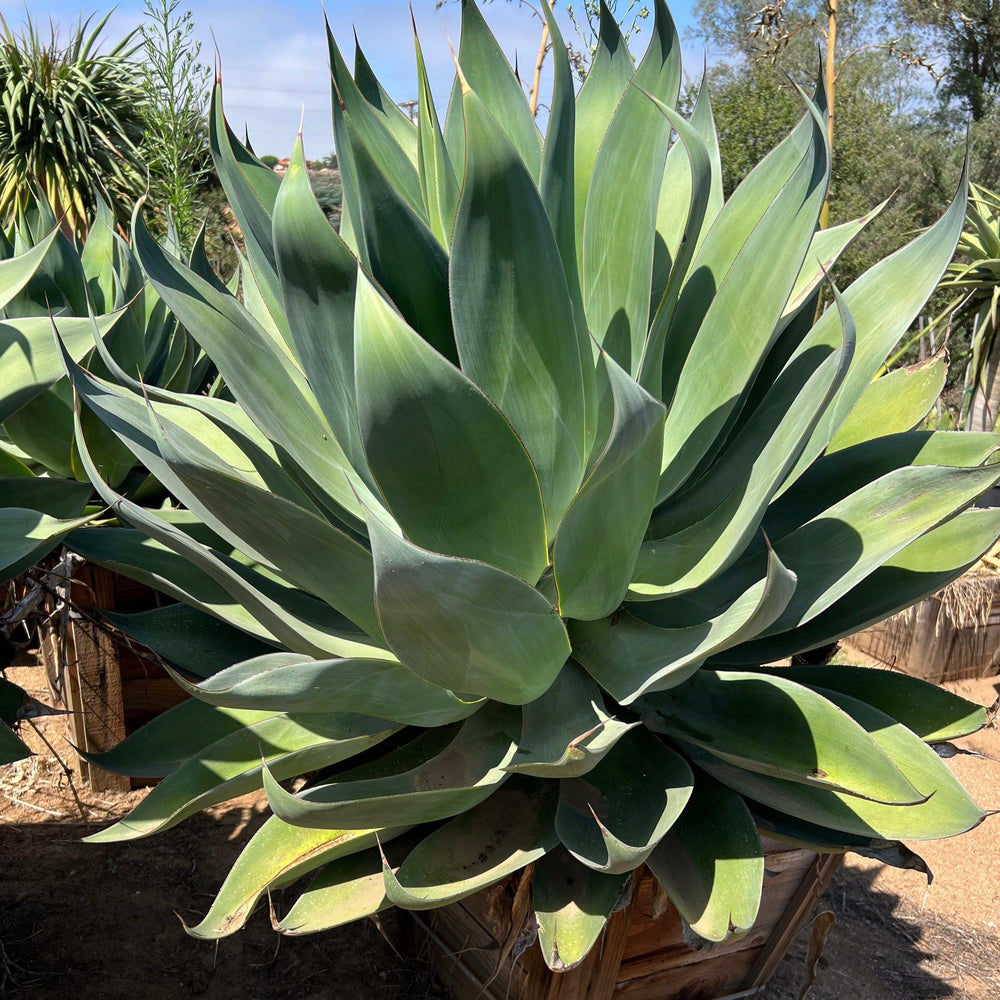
(101, 922)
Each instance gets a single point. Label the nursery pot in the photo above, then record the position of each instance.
(485, 946)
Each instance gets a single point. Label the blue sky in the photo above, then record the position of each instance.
(274, 51)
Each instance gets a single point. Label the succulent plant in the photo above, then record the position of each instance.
(522, 480)
(12, 699)
(49, 281)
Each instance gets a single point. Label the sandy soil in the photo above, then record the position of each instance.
(898, 938)
(100, 922)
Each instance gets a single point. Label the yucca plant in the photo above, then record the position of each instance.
(974, 279)
(525, 476)
(71, 119)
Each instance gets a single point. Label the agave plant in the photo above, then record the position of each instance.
(524, 478)
(12, 706)
(47, 282)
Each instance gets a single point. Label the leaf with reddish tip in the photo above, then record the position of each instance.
(565, 733)
(276, 855)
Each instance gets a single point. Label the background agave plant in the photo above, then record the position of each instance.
(49, 281)
(522, 478)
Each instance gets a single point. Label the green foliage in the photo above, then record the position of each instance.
(72, 120)
(973, 281)
(328, 192)
(628, 13)
(881, 154)
(968, 31)
(786, 33)
(12, 699)
(96, 298)
(517, 485)
(175, 143)
(328, 162)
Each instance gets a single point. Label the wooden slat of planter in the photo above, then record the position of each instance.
(471, 963)
(466, 956)
(639, 957)
(472, 935)
(109, 689)
(702, 981)
(144, 698)
(92, 691)
(808, 894)
(658, 943)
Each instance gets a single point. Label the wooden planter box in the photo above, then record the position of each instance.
(950, 636)
(484, 947)
(109, 684)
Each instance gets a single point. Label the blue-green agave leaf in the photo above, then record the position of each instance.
(514, 325)
(276, 855)
(464, 625)
(468, 770)
(711, 864)
(772, 726)
(598, 541)
(232, 765)
(632, 653)
(507, 832)
(566, 733)
(437, 446)
(611, 818)
(291, 682)
(572, 905)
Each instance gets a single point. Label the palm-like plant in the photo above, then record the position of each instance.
(71, 119)
(975, 277)
(523, 478)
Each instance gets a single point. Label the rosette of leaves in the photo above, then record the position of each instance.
(89, 292)
(525, 475)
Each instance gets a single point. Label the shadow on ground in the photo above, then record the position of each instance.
(883, 948)
(98, 922)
